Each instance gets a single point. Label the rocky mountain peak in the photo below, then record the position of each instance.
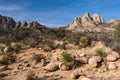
(8, 23)
(87, 20)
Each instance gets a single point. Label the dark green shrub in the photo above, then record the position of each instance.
(100, 52)
(7, 59)
(83, 41)
(37, 57)
(67, 59)
(17, 47)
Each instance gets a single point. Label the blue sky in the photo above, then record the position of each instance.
(55, 13)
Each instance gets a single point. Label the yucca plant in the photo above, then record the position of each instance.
(83, 41)
(67, 59)
(100, 52)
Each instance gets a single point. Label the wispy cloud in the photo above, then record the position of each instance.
(10, 8)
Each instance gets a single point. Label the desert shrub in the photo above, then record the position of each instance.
(7, 59)
(117, 31)
(100, 52)
(83, 41)
(37, 57)
(31, 76)
(17, 47)
(66, 58)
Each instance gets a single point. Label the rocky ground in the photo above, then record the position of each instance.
(88, 67)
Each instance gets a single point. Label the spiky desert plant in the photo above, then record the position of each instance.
(66, 58)
(100, 52)
(83, 41)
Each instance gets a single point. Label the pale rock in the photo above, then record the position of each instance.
(63, 66)
(112, 66)
(87, 20)
(83, 60)
(82, 55)
(96, 18)
(115, 54)
(102, 20)
(7, 49)
(92, 62)
(2, 68)
(111, 58)
(85, 78)
(112, 21)
(77, 23)
(74, 75)
(51, 66)
(97, 58)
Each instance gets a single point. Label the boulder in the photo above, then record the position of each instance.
(92, 62)
(111, 58)
(115, 54)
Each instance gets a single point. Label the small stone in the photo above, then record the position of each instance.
(8, 49)
(74, 75)
(83, 60)
(63, 67)
(82, 55)
(112, 66)
(51, 67)
(2, 68)
(43, 62)
(85, 78)
(111, 58)
(53, 51)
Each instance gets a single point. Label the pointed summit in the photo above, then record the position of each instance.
(87, 20)
(97, 19)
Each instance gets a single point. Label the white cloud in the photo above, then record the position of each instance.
(9, 8)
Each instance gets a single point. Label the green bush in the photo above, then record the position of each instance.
(100, 52)
(17, 47)
(67, 59)
(7, 59)
(83, 41)
(37, 57)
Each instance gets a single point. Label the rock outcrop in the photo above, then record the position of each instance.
(90, 24)
(87, 20)
(8, 23)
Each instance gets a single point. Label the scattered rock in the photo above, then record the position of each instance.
(112, 66)
(85, 78)
(51, 67)
(63, 67)
(74, 75)
(43, 62)
(3, 68)
(8, 49)
(111, 58)
(92, 62)
(83, 60)
(82, 55)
